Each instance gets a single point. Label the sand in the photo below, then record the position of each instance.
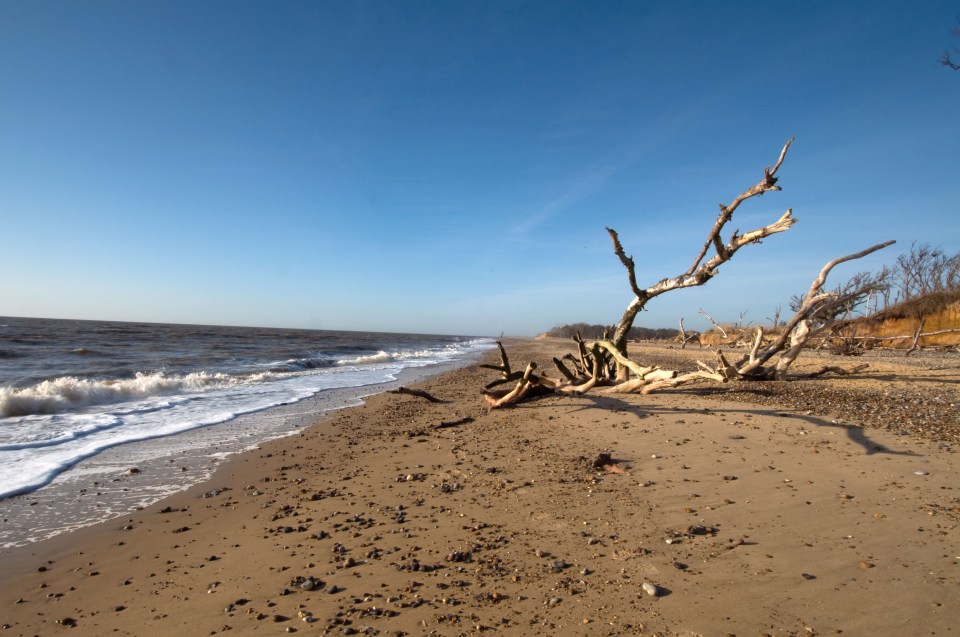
(742, 517)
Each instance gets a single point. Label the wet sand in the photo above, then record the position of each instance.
(743, 517)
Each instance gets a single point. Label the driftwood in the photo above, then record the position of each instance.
(606, 362)
(686, 338)
(715, 324)
(415, 392)
(817, 311)
(832, 369)
(702, 269)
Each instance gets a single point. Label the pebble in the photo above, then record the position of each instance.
(921, 473)
(650, 589)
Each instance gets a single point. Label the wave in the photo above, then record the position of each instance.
(379, 357)
(428, 355)
(5, 353)
(43, 438)
(69, 392)
(301, 364)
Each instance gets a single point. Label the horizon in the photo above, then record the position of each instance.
(433, 168)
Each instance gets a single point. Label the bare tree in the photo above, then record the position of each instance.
(925, 270)
(816, 311)
(946, 59)
(606, 361)
(702, 269)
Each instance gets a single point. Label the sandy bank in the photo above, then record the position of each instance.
(748, 518)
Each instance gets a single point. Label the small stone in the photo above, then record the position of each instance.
(651, 589)
(921, 473)
(866, 565)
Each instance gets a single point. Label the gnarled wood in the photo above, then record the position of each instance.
(700, 270)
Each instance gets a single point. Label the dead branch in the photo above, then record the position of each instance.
(916, 338)
(700, 271)
(833, 369)
(415, 392)
(715, 324)
(817, 311)
(523, 386)
(563, 369)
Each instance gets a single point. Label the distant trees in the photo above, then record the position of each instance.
(595, 332)
(924, 270)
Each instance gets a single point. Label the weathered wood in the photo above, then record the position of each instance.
(622, 360)
(833, 369)
(700, 270)
(500, 381)
(811, 318)
(715, 324)
(916, 338)
(563, 369)
(415, 392)
(523, 385)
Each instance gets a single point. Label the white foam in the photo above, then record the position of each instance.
(53, 425)
(69, 392)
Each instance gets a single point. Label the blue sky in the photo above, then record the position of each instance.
(449, 167)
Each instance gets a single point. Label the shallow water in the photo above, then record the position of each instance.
(66, 462)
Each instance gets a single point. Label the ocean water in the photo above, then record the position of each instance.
(99, 418)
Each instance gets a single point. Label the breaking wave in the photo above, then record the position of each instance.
(69, 392)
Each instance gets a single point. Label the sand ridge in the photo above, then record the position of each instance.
(747, 519)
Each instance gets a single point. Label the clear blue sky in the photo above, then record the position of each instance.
(449, 167)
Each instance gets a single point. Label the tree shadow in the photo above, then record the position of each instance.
(854, 433)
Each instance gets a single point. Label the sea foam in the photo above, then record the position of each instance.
(69, 392)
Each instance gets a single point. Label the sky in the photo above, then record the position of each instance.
(449, 167)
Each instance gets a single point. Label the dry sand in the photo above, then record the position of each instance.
(746, 518)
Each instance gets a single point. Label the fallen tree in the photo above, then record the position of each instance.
(702, 269)
(606, 363)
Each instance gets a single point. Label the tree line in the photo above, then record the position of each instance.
(595, 332)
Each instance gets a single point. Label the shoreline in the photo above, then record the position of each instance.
(748, 518)
(132, 475)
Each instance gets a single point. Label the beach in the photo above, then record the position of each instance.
(725, 510)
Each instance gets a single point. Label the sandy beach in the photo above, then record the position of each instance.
(766, 510)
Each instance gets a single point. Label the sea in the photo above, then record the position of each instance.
(100, 418)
